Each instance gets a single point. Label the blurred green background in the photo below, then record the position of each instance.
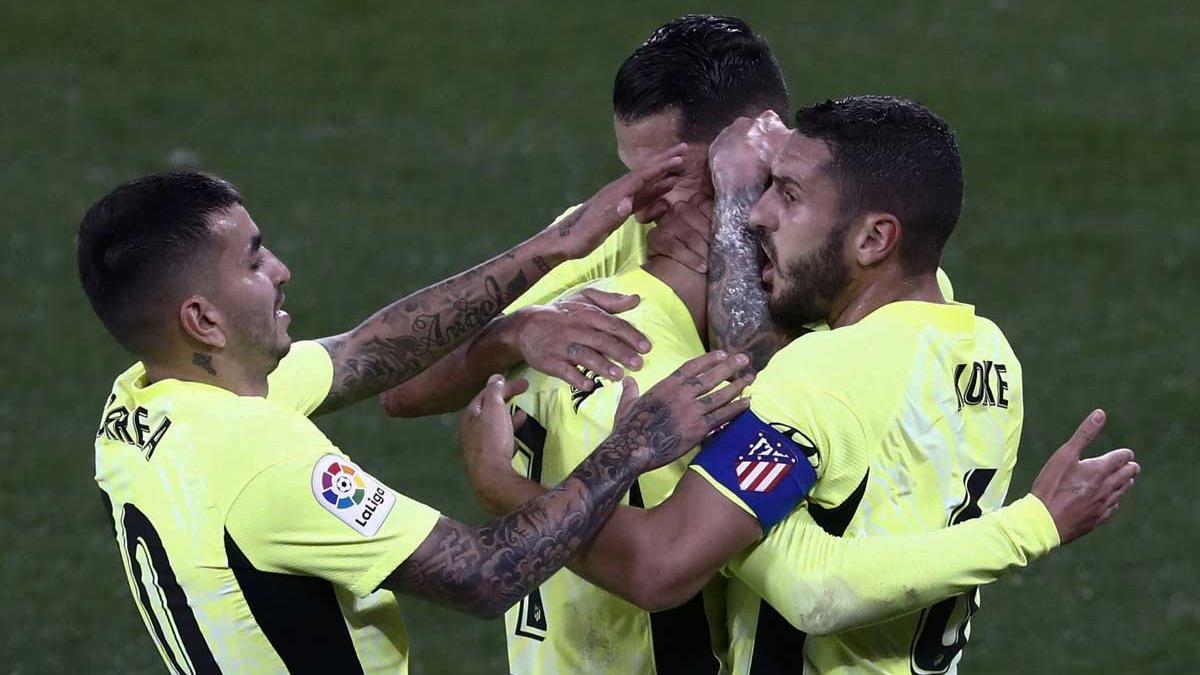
(384, 146)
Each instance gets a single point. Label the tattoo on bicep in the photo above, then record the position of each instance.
(486, 570)
(204, 361)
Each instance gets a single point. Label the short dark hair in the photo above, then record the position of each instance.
(712, 69)
(897, 156)
(137, 240)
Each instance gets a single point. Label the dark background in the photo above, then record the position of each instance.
(383, 148)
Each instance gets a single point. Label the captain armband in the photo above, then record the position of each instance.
(764, 467)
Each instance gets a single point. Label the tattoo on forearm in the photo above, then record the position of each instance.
(540, 263)
(738, 318)
(564, 227)
(411, 334)
(204, 361)
(485, 571)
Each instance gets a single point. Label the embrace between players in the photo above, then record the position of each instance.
(839, 517)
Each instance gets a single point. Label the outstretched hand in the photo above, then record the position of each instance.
(586, 227)
(1082, 494)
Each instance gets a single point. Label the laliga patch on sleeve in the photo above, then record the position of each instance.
(765, 468)
(351, 494)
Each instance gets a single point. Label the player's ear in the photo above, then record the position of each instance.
(877, 238)
(202, 321)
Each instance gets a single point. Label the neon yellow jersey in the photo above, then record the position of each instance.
(251, 543)
(625, 248)
(568, 625)
(913, 417)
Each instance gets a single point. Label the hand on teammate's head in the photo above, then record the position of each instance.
(1082, 494)
(683, 232)
(639, 191)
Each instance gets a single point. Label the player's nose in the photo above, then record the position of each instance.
(760, 216)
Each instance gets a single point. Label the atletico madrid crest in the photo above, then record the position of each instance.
(763, 465)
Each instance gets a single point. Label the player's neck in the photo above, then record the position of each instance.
(882, 287)
(691, 287)
(217, 370)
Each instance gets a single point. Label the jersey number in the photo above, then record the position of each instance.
(531, 444)
(937, 644)
(170, 619)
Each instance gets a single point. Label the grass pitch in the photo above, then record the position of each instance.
(383, 148)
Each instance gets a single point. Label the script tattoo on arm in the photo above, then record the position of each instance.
(409, 335)
(738, 318)
(485, 570)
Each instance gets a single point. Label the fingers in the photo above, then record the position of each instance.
(613, 303)
(1087, 432)
(724, 395)
(668, 243)
(579, 353)
(518, 418)
(654, 179)
(1121, 474)
(652, 212)
(612, 349)
(722, 370)
(700, 364)
(568, 373)
(1114, 459)
(726, 413)
(515, 387)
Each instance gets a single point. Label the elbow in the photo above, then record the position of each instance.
(661, 588)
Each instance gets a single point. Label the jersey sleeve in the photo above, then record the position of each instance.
(824, 584)
(796, 418)
(326, 517)
(302, 379)
(627, 243)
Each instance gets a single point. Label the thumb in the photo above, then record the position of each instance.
(629, 394)
(1087, 432)
(493, 394)
(613, 303)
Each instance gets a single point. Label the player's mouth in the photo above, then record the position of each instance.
(279, 313)
(768, 266)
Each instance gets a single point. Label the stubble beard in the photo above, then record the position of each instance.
(810, 284)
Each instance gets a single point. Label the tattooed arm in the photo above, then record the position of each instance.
(409, 335)
(555, 339)
(484, 570)
(738, 318)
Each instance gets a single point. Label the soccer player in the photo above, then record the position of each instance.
(251, 543)
(898, 449)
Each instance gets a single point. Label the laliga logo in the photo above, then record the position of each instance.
(342, 489)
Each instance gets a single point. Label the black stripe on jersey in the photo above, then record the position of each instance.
(183, 622)
(680, 636)
(682, 641)
(532, 435)
(299, 615)
(778, 646)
